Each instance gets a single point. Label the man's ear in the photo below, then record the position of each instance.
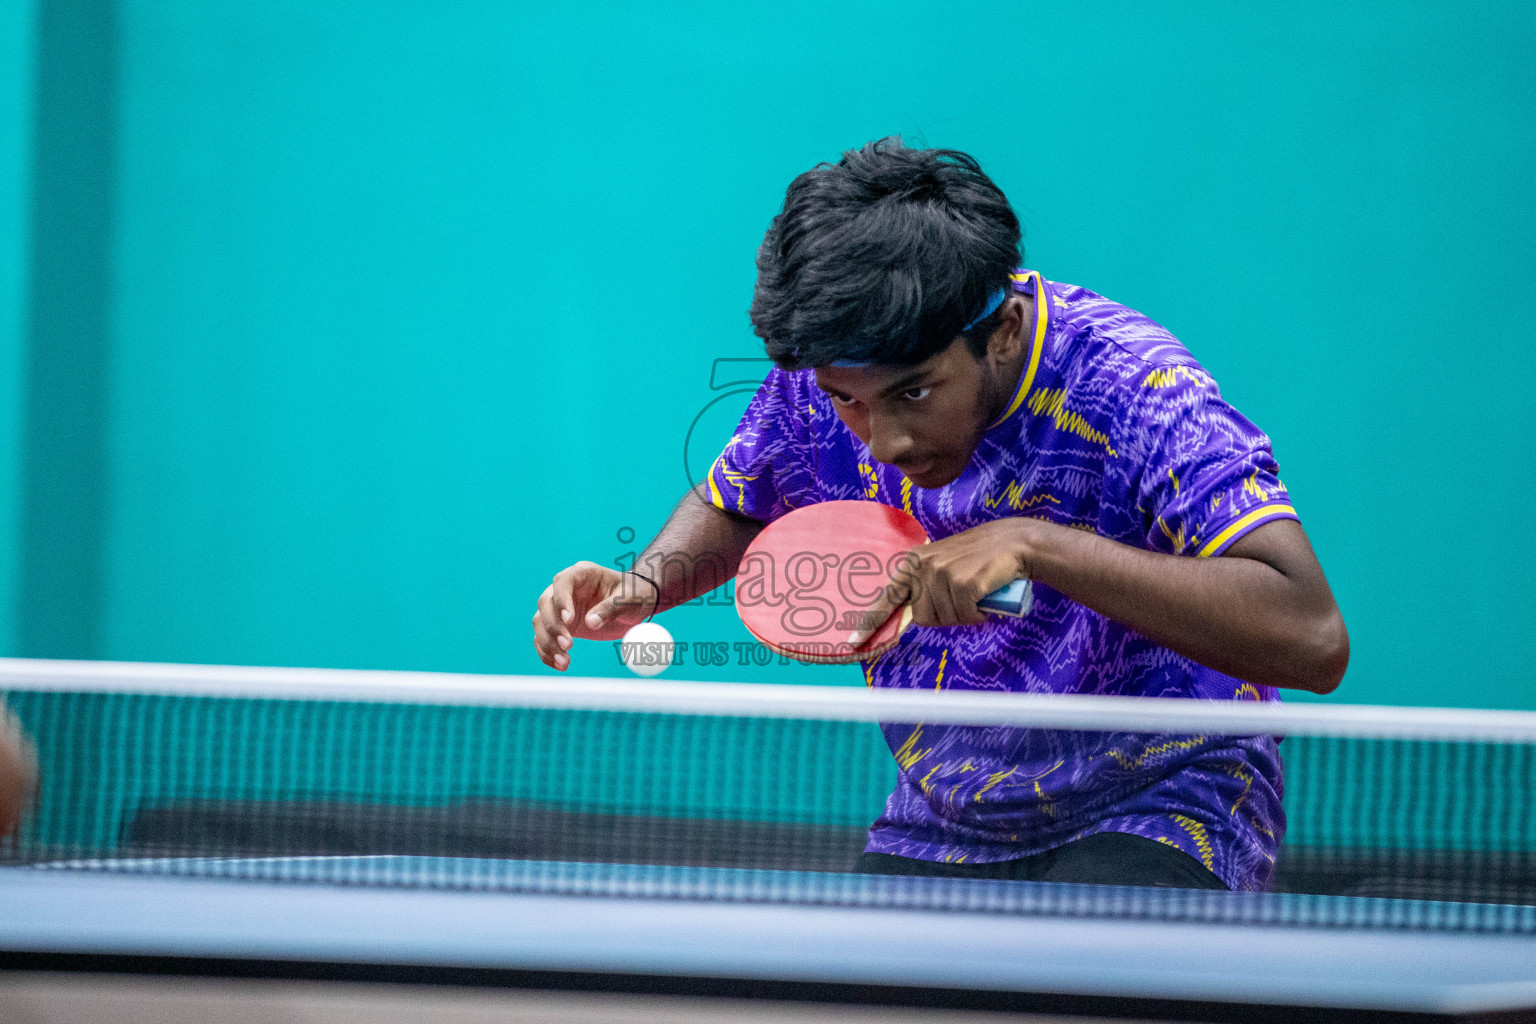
(1005, 343)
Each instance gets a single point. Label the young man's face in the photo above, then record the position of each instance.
(927, 419)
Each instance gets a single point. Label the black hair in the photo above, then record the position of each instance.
(883, 257)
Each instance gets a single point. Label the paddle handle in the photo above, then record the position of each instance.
(1014, 600)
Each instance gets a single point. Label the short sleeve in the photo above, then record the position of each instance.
(767, 467)
(1207, 475)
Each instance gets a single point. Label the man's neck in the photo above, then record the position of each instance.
(1009, 374)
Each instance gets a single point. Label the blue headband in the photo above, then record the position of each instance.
(986, 311)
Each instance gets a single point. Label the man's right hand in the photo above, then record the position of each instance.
(18, 772)
(588, 602)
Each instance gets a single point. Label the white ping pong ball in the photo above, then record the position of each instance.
(647, 649)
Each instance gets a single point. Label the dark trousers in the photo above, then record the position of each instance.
(1105, 858)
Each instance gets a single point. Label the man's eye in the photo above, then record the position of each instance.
(915, 394)
(843, 400)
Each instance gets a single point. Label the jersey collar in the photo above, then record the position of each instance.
(1037, 343)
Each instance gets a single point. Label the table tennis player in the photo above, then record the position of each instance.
(1036, 430)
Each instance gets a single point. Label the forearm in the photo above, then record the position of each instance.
(697, 550)
(1267, 624)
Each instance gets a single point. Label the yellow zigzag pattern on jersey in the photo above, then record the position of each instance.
(738, 479)
(1049, 401)
(1176, 538)
(907, 754)
(1169, 376)
(1013, 494)
(906, 495)
(954, 790)
(1202, 839)
(1243, 775)
(1128, 763)
(1252, 486)
(993, 780)
(1046, 806)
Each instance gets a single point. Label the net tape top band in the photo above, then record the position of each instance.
(758, 700)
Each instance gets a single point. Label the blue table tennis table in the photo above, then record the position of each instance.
(781, 935)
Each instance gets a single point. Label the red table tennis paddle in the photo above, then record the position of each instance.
(808, 579)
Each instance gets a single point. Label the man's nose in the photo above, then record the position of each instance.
(888, 442)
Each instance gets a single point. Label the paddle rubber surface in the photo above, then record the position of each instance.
(809, 578)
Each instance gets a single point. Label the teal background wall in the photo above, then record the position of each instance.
(16, 80)
(329, 332)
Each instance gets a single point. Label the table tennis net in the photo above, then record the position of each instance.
(136, 773)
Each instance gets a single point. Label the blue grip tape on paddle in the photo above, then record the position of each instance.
(1014, 600)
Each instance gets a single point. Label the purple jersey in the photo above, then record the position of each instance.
(1114, 428)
